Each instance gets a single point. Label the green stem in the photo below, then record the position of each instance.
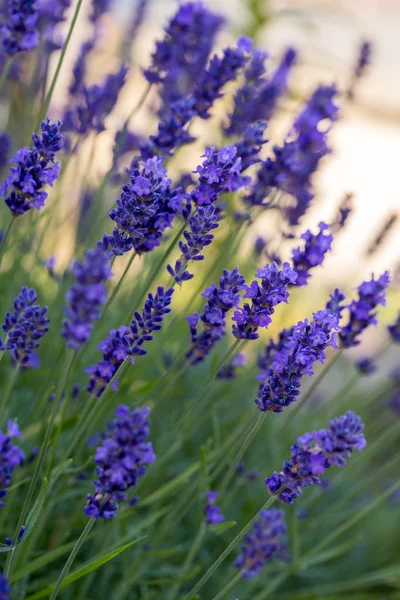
(227, 551)
(335, 402)
(3, 243)
(48, 98)
(71, 557)
(200, 394)
(275, 583)
(41, 457)
(246, 443)
(191, 555)
(6, 396)
(231, 583)
(119, 284)
(6, 69)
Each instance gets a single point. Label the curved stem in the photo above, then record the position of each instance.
(6, 69)
(3, 243)
(119, 284)
(227, 551)
(41, 457)
(49, 95)
(189, 559)
(6, 396)
(71, 557)
(227, 588)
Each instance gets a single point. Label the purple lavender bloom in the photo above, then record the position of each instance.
(86, 297)
(99, 7)
(292, 165)
(180, 58)
(394, 330)
(263, 543)
(11, 457)
(79, 68)
(366, 366)
(5, 588)
(52, 13)
(197, 238)
(120, 460)
(221, 171)
(96, 103)
(35, 168)
(292, 358)
(220, 300)
(313, 253)
(250, 144)
(25, 327)
(334, 304)
(229, 371)
(382, 233)
(128, 342)
(361, 311)
(19, 30)
(314, 453)
(363, 61)
(212, 513)
(257, 99)
(173, 127)
(146, 208)
(264, 297)
(5, 146)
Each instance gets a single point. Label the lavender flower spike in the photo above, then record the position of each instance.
(394, 330)
(363, 61)
(128, 342)
(361, 311)
(5, 588)
(313, 253)
(263, 543)
(19, 31)
(120, 460)
(35, 167)
(293, 357)
(314, 453)
(264, 297)
(220, 300)
(11, 457)
(86, 296)
(24, 327)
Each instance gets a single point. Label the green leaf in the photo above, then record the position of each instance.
(222, 527)
(59, 469)
(334, 552)
(94, 564)
(37, 507)
(4, 548)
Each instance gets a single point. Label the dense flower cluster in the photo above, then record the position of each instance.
(35, 167)
(285, 363)
(314, 453)
(19, 30)
(365, 366)
(221, 171)
(95, 104)
(361, 311)
(220, 300)
(313, 253)
(86, 297)
(128, 342)
(263, 543)
(172, 129)
(120, 460)
(10, 457)
(394, 330)
(180, 58)
(52, 14)
(24, 327)
(264, 297)
(292, 165)
(257, 99)
(212, 513)
(146, 207)
(250, 144)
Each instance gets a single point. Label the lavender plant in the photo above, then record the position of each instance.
(160, 315)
